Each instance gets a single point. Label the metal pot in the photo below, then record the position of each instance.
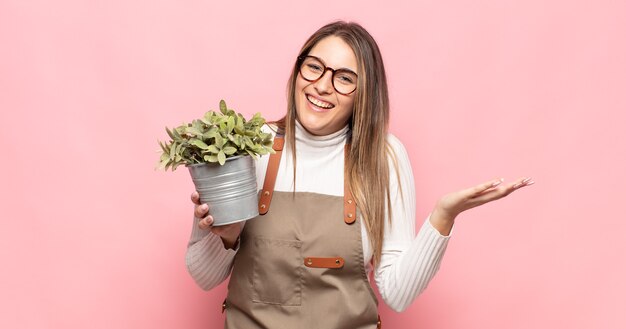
(230, 190)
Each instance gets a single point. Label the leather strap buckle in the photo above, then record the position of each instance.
(324, 262)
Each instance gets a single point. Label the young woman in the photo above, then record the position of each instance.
(339, 203)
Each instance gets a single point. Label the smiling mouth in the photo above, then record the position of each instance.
(319, 103)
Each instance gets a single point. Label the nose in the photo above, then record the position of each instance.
(324, 85)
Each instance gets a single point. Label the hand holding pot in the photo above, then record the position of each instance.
(229, 233)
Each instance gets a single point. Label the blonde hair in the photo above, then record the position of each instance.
(367, 168)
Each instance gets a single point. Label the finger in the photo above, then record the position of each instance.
(205, 223)
(500, 192)
(506, 190)
(195, 197)
(201, 210)
(484, 187)
(523, 182)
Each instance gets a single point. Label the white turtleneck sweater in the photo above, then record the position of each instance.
(408, 261)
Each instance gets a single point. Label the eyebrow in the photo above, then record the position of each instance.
(323, 62)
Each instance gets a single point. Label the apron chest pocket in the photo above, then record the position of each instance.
(277, 271)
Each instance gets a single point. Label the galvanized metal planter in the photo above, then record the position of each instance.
(230, 190)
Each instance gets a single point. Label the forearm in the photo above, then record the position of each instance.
(208, 262)
(404, 273)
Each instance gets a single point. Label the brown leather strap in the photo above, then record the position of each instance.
(324, 262)
(270, 176)
(349, 204)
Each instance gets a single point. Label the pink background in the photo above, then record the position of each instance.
(92, 237)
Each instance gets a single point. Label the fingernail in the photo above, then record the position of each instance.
(204, 207)
(498, 182)
(530, 183)
(517, 185)
(526, 180)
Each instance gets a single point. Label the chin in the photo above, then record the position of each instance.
(311, 126)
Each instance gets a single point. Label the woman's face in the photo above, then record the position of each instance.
(320, 108)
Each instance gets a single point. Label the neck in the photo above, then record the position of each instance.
(310, 142)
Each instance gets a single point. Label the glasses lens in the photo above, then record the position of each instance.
(344, 81)
(311, 69)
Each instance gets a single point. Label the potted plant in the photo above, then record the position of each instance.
(219, 150)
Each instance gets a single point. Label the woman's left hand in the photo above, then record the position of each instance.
(452, 204)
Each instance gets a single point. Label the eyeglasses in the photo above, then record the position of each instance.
(313, 69)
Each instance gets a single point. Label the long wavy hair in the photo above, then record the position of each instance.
(368, 163)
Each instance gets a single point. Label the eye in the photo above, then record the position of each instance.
(346, 78)
(314, 67)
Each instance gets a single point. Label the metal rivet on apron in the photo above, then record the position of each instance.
(337, 261)
(263, 206)
(349, 215)
(349, 201)
(266, 193)
(309, 262)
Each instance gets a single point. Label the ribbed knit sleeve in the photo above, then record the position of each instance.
(208, 262)
(408, 262)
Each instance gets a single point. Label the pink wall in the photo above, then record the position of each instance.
(92, 237)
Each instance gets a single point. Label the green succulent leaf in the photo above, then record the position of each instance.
(213, 149)
(219, 141)
(172, 150)
(223, 107)
(162, 147)
(248, 141)
(170, 133)
(177, 133)
(199, 143)
(221, 157)
(229, 150)
(239, 128)
(210, 158)
(193, 131)
(230, 124)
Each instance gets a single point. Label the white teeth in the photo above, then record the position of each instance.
(320, 103)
